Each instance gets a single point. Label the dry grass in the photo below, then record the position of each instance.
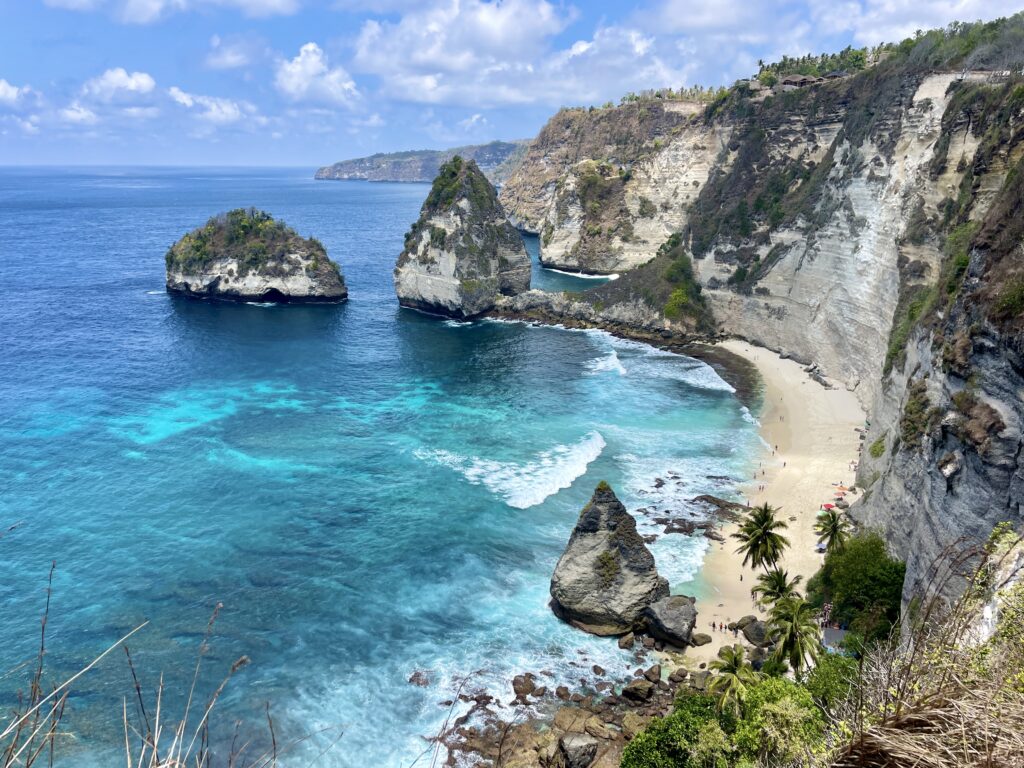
(31, 735)
(947, 695)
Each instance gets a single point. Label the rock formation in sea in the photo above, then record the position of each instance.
(245, 255)
(462, 252)
(606, 578)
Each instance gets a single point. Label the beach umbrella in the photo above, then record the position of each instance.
(828, 506)
(842, 488)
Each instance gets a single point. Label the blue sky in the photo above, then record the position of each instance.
(307, 82)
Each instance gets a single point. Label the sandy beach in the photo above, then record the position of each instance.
(812, 439)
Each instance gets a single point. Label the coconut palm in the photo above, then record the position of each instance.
(833, 529)
(733, 675)
(775, 585)
(796, 632)
(759, 537)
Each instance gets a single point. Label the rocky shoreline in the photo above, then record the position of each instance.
(541, 725)
(736, 371)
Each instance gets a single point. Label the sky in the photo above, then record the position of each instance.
(310, 82)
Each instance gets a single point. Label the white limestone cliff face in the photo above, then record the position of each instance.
(649, 203)
(830, 297)
(298, 278)
(836, 281)
(462, 253)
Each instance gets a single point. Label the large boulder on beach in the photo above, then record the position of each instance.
(462, 252)
(756, 633)
(606, 578)
(671, 619)
(246, 255)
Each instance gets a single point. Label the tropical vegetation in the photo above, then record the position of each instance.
(863, 583)
(833, 529)
(775, 585)
(761, 542)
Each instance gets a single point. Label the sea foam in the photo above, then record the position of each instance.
(524, 485)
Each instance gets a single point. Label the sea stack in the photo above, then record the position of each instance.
(606, 578)
(245, 255)
(462, 252)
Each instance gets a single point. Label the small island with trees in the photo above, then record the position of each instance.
(247, 255)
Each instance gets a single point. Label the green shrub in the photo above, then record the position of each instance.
(877, 448)
(831, 679)
(864, 585)
(647, 209)
(608, 568)
(780, 723)
(688, 737)
(917, 415)
(1011, 300)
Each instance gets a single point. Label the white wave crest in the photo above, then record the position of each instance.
(583, 275)
(524, 485)
(609, 362)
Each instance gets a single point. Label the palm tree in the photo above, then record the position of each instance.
(734, 674)
(796, 632)
(775, 585)
(833, 529)
(760, 542)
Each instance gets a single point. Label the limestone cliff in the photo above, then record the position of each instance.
(605, 187)
(866, 223)
(245, 255)
(462, 252)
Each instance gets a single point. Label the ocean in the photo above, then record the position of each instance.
(369, 492)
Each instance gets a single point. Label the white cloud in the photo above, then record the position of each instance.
(475, 120)
(458, 36)
(149, 11)
(309, 77)
(372, 121)
(877, 21)
(117, 83)
(214, 109)
(11, 94)
(485, 54)
(28, 125)
(141, 113)
(229, 54)
(77, 114)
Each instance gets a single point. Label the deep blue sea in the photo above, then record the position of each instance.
(367, 490)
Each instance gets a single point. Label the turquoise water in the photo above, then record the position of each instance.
(368, 491)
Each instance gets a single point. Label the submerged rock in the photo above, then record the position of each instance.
(606, 577)
(462, 252)
(245, 255)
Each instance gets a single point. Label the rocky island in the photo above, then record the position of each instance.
(462, 252)
(246, 255)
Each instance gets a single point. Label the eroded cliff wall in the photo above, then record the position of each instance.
(865, 224)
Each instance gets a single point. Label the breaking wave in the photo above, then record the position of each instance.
(524, 485)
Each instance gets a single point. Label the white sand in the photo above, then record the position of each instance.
(813, 429)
